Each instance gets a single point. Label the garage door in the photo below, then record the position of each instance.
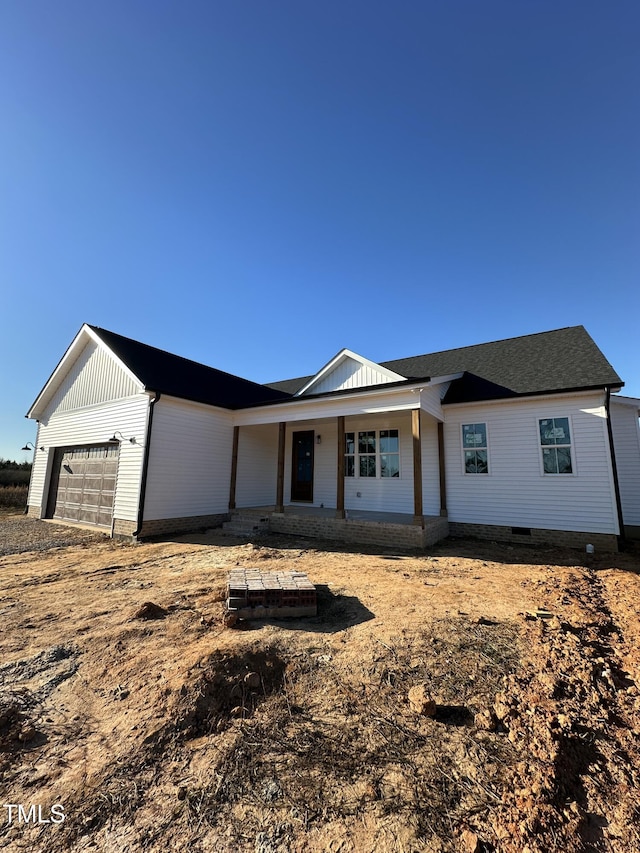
(83, 484)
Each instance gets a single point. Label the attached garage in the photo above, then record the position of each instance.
(83, 484)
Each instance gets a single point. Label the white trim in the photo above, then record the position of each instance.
(341, 356)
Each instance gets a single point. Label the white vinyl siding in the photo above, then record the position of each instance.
(95, 425)
(626, 436)
(430, 467)
(189, 460)
(94, 378)
(517, 493)
(257, 474)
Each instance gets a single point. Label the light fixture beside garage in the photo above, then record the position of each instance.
(115, 440)
(30, 446)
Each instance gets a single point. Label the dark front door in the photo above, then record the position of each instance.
(302, 466)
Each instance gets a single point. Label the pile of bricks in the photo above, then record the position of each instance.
(252, 594)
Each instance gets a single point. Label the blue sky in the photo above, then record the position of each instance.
(256, 185)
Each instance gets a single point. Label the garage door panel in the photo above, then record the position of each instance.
(83, 484)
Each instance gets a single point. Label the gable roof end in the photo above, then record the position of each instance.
(382, 373)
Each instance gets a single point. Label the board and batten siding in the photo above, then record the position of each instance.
(95, 425)
(189, 460)
(95, 377)
(350, 373)
(257, 473)
(515, 492)
(626, 437)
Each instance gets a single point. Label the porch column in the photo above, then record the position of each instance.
(340, 480)
(234, 468)
(282, 434)
(443, 481)
(418, 516)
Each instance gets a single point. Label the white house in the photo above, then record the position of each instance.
(519, 439)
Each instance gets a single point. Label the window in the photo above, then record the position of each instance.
(555, 441)
(349, 454)
(474, 445)
(374, 454)
(389, 453)
(367, 453)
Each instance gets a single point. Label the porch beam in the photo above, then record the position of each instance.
(282, 434)
(234, 468)
(443, 479)
(418, 515)
(340, 480)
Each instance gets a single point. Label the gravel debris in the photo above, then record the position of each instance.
(19, 533)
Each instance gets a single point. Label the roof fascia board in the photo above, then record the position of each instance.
(342, 355)
(547, 395)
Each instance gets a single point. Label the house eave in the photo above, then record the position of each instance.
(552, 392)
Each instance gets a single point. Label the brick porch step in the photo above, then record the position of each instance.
(246, 524)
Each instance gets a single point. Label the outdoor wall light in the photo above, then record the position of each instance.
(115, 440)
(30, 446)
(318, 439)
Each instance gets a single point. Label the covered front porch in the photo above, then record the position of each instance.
(363, 465)
(388, 529)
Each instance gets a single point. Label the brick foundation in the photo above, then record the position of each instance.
(122, 528)
(163, 526)
(359, 531)
(537, 536)
(33, 511)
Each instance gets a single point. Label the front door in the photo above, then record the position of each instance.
(302, 466)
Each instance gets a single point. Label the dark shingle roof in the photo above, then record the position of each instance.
(179, 377)
(563, 359)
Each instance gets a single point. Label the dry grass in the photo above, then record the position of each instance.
(14, 497)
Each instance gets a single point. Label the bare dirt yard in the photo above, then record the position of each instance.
(477, 697)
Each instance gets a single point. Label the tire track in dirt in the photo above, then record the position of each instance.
(573, 711)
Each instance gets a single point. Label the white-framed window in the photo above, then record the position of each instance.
(372, 453)
(475, 449)
(555, 444)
